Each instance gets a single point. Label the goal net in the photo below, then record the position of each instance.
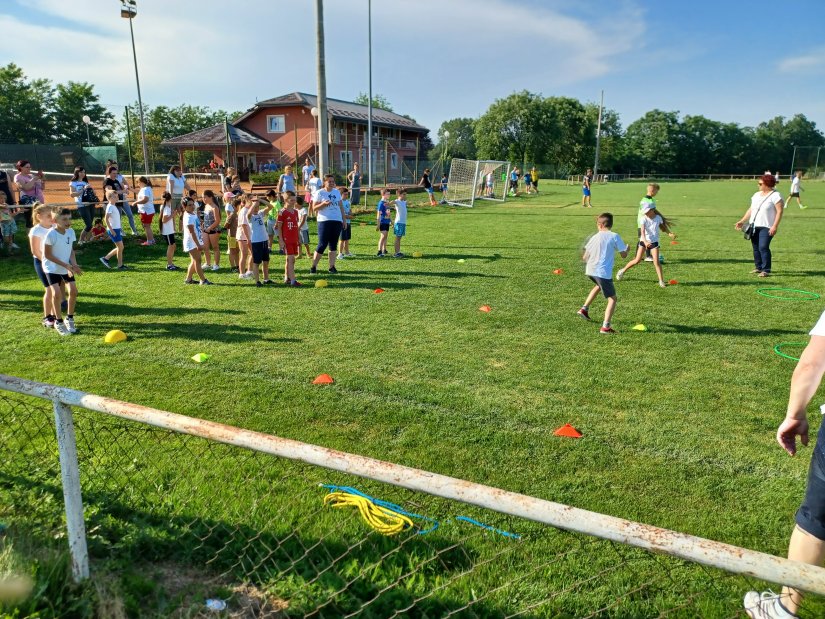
(472, 180)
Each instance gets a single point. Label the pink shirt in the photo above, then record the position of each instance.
(36, 193)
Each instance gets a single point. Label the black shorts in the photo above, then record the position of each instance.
(57, 278)
(170, 239)
(513, 185)
(794, 195)
(260, 252)
(38, 268)
(810, 516)
(606, 286)
(384, 227)
(652, 245)
(536, 183)
(346, 233)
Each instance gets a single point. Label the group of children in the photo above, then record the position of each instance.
(599, 254)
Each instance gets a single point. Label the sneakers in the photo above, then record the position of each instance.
(172, 267)
(14, 245)
(190, 281)
(648, 258)
(215, 267)
(662, 285)
(765, 605)
(398, 255)
(234, 270)
(313, 270)
(350, 255)
(205, 282)
(48, 322)
(61, 328)
(333, 270)
(259, 285)
(145, 244)
(268, 282)
(295, 283)
(123, 267)
(802, 207)
(341, 256)
(69, 322)
(619, 275)
(286, 280)
(607, 331)
(247, 275)
(584, 314)
(380, 254)
(105, 262)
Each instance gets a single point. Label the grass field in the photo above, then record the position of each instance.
(678, 422)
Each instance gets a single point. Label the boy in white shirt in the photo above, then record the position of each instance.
(399, 228)
(303, 230)
(193, 242)
(112, 220)
(599, 256)
(796, 188)
(346, 233)
(60, 265)
(259, 239)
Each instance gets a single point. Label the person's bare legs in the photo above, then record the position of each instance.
(72, 290)
(654, 253)
(215, 242)
(611, 307)
(332, 256)
(47, 301)
(592, 296)
(640, 253)
(170, 254)
(806, 548)
(398, 245)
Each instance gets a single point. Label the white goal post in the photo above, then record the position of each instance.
(472, 180)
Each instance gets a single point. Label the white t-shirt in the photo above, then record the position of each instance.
(149, 207)
(114, 215)
(331, 212)
(40, 232)
(175, 184)
(764, 216)
(257, 227)
(243, 218)
(401, 212)
(314, 184)
(302, 212)
(600, 252)
(651, 227)
(61, 248)
(123, 184)
(167, 227)
(189, 242)
(795, 182)
(307, 170)
(76, 186)
(819, 327)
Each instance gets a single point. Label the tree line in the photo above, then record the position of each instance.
(561, 132)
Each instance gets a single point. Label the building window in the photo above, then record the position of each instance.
(394, 161)
(275, 124)
(346, 159)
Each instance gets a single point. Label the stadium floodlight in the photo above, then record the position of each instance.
(128, 10)
(87, 121)
(472, 180)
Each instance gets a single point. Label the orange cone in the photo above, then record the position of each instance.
(484, 308)
(674, 242)
(673, 282)
(568, 431)
(378, 290)
(323, 379)
(558, 271)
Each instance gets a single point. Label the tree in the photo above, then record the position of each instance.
(460, 144)
(516, 128)
(652, 142)
(575, 143)
(378, 101)
(24, 107)
(72, 101)
(611, 143)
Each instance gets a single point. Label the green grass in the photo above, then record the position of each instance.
(678, 422)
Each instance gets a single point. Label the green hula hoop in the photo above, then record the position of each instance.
(812, 296)
(778, 349)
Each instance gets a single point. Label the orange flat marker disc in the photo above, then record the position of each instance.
(484, 308)
(323, 379)
(673, 282)
(378, 290)
(568, 431)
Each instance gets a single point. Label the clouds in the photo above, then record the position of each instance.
(813, 61)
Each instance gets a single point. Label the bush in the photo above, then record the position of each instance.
(266, 178)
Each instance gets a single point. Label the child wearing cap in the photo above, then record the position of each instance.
(650, 225)
(599, 256)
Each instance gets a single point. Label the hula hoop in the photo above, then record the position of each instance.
(812, 296)
(778, 351)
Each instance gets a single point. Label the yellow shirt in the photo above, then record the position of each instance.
(534, 174)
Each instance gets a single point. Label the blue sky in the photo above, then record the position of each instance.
(739, 62)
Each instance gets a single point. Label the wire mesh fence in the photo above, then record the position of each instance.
(174, 521)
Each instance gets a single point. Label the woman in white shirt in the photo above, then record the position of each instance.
(763, 218)
(146, 208)
(177, 185)
(77, 187)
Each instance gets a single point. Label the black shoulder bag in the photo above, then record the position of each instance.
(748, 231)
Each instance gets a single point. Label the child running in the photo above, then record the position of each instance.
(232, 204)
(192, 242)
(346, 233)
(44, 221)
(167, 229)
(288, 230)
(303, 230)
(649, 238)
(60, 266)
(258, 241)
(599, 256)
(400, 227)
(113, 227)
(796, 188)
(382, 215)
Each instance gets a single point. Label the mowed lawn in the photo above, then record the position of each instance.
(678, 421)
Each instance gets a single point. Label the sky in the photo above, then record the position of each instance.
(732, 61)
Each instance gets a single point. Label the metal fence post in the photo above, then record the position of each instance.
(70, 474)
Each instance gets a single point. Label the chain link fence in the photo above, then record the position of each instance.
(177, 524)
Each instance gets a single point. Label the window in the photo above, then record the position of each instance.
(275, 124)
(346, 160)
(394, 161)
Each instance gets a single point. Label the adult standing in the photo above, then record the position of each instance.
(763, 219)
(126, 208)
(326, 204)
(111, 182)
(77, 190)
(286, 182)
(306, 172)
(30, 186)
(354, 179)
(176, 185)
(807, 543)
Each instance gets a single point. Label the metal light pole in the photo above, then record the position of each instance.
(323, 141)
(128, 10)
(369, 95)
(444, 152)
(598, 139)
(87, 121)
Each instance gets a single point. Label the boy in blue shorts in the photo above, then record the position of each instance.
(599, 254)
(588, 178)
(382, 215)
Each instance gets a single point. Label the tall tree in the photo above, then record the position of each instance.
(575, 143)
(379, 101)
(460, 144)
(72, 101)
(652, 142)
(517, 128)
(24, 107)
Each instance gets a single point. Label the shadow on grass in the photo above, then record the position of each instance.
(706, 330)
(445, 274)
(199, 330)
(743, 261)
(85, 306)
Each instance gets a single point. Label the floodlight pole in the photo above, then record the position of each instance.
(598, 139)
(793, 159)
(323, 145)
(131, 10)
(369, 96)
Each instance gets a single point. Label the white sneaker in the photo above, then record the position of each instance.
(215, 267)
(350, 255)
(648, 258)
(619, 275)
(341, 256)
(662, 285)
(14, 245)
(765, 605)
(69, 322)
(248, 274)
(60, 327)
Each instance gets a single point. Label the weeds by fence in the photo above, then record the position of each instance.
(174, 519)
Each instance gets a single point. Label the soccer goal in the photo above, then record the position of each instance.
(472, 180)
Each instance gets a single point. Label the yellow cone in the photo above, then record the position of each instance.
(200, 357)
(640, 327)
(114, 336)
(321, 283)
(417, 254)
